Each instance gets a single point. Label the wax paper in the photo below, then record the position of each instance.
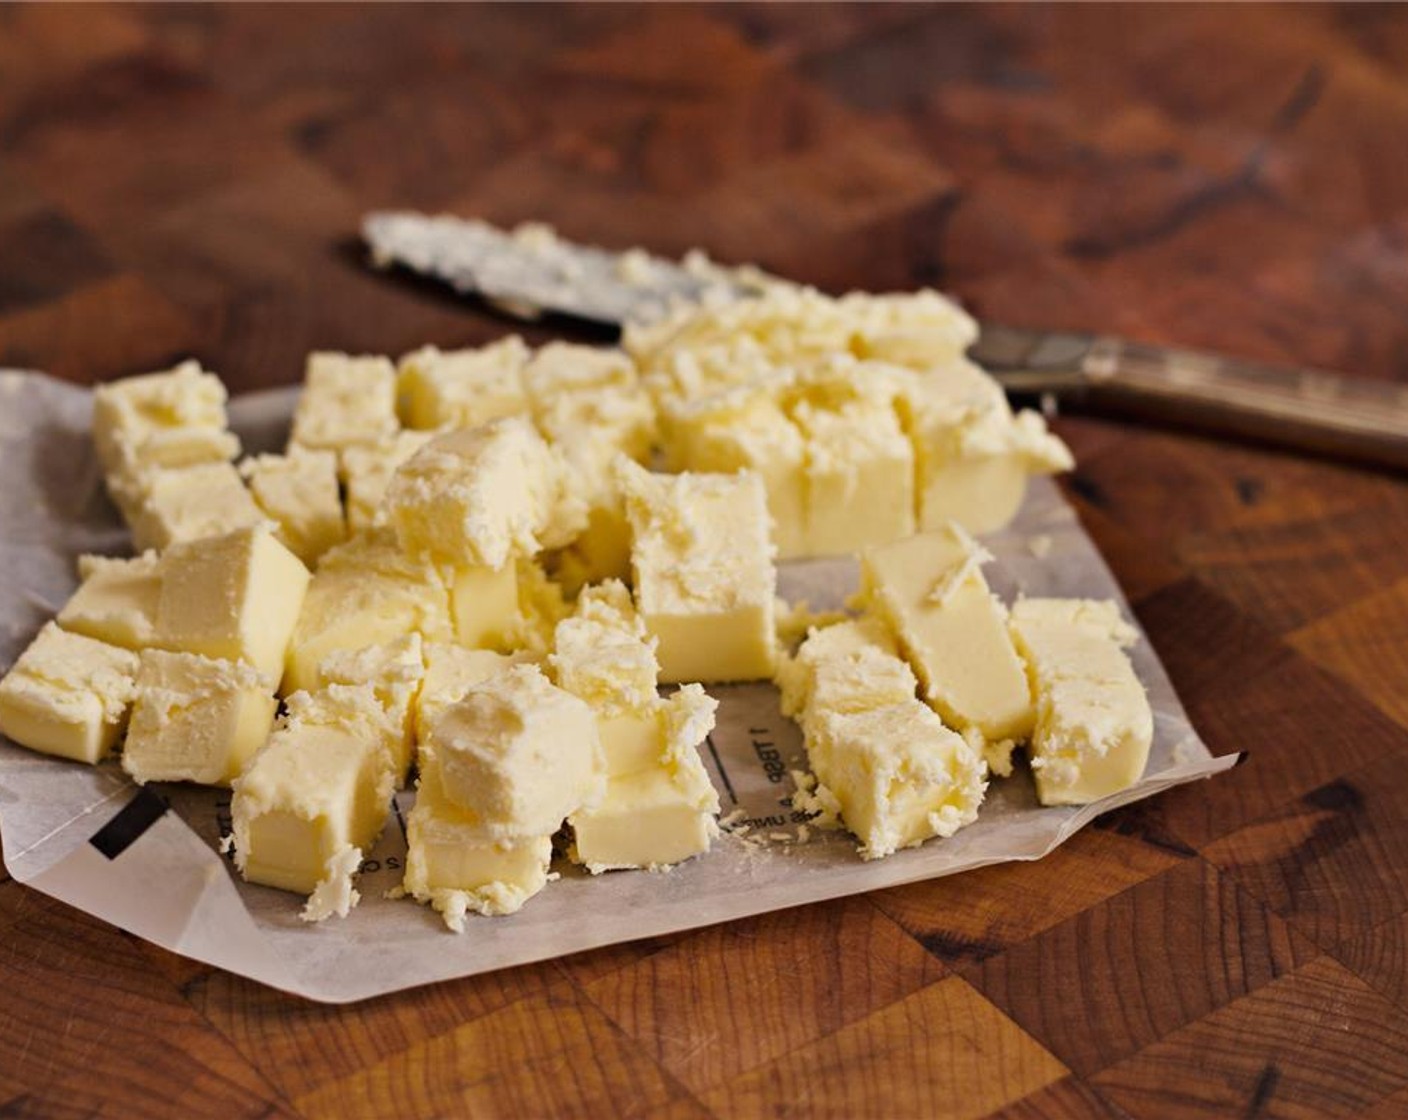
(172, 886)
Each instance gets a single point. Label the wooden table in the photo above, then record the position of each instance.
(182, 181)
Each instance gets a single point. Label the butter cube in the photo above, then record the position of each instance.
(973, 455)
(365, 592)
(462, 388)
(517, 753)
(588, 425)
(746, 429)
(704, 579)
(652, 818)
(860, 477)
(117, 600)
(174, 418)
(167, 505)
(484, 604)
(367, 471)
(483, 496)
(346, 401)
(604, 654)
(68, 695)
(1093, 723)
(450, 672)
(196, 719)
(299, 494)
(662, 811)
(848, 667)
(394, 670)
(565, 368)
(453, 864)
(930, 590)
(899, 775)
(309, 803)
(234, 597)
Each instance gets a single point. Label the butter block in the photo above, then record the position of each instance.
(462, 388)
(450, 672)
(662, 812)
(604, 655)
(173, 418)
(603, 652)
(168, 505)
(746, 428)
(847, 667)
(367, 470)
(859, 475)
(365, 592)
(652, 818)
(234, 597)
(394, 671)
(1093, 723)
(484, 604)
(899, 775)
(68, 695)
(453, 864)
(704, 578)
(117, 600)
(973, 455)
(517, 753)
(346, 401)
(930, 590)
(484, 496)
(196, 719)
(309, 803)
(299, 494)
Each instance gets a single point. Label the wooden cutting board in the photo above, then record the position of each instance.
(182, 181)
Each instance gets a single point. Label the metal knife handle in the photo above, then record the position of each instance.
(1306, 409)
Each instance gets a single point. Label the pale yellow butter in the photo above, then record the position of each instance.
(234, 597)
(166, 505)
(346, 401)
(859, 475)
(450, 672)
(394, 669)
(462, 388)
(174, 418)
(705, 584)
(485, 605)
(68, 695)
(899, 775)
(310, 802)
(517, 753)
(930, 590)
(484, 495)
(299, 493)
(196, 719)
(973, 455)
(365, 592)
(657, 811)
(117, 600)
(847, 667)
(604, 655)
(1094, 726)
(367, 470)
(746, 428)
(456, 866)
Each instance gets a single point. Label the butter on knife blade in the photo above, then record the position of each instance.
(530, 271)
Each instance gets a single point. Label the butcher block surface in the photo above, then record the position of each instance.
(189, 181)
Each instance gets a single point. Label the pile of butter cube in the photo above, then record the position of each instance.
(463, 574)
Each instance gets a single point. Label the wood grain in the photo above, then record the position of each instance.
(188, 179)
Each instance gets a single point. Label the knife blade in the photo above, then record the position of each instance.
(531, 271)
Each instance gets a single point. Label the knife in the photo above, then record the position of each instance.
(530, 271)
